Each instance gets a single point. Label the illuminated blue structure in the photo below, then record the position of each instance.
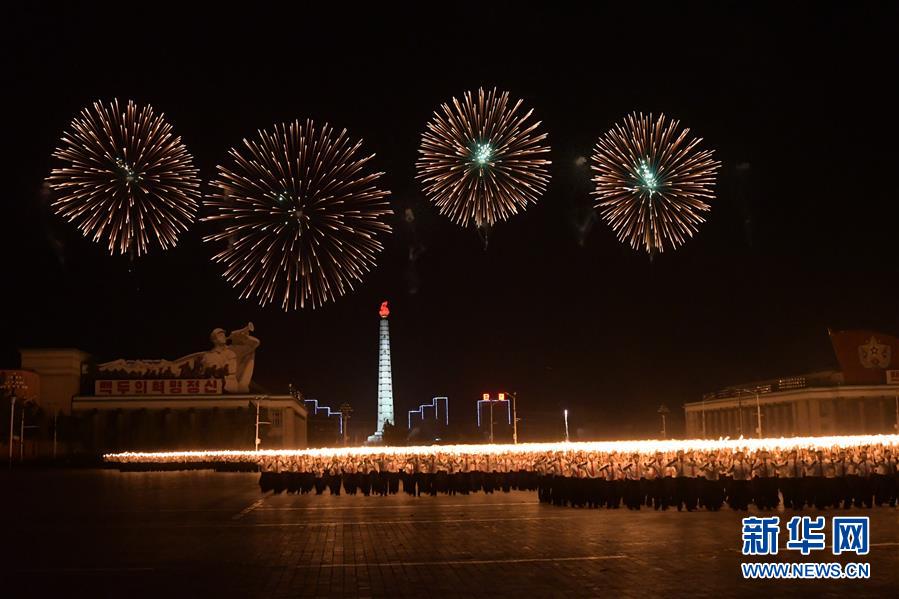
(435, 404)
(316, 410)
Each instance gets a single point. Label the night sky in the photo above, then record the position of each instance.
(799, 103)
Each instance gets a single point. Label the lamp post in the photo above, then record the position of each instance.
(565, 414)
(758, 410)
(663, 411)
(55, 424)
(703, 417)
(345, 411)
(485, 398)
(491, 420)
(11, 384)
(510, 408)
(257, 440)
(502, 397)
(12, 412)
(514, 418)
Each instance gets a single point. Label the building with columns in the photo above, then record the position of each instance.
(155, 422)
(862, 397)
(199, 401)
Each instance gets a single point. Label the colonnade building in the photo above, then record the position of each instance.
(861, 397)
(200, 401)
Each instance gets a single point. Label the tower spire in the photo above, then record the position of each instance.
(385, 376)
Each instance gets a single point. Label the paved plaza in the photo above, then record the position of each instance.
(108, 533)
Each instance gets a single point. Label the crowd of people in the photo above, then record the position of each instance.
(837, 477)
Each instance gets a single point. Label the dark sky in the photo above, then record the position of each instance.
(802, 236)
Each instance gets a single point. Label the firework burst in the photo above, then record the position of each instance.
(300, 214)
(652, 182)
(127, 178)
(481, 160)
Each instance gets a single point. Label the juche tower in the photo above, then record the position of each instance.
(385, 377)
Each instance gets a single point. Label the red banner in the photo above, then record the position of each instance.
(865, 356)
(159, 387)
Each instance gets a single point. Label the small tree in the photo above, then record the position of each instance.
(394, 435)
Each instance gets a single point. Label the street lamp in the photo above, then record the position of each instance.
(486, 397)
(345, 411)
(502, 397)
(897, 413)
(55, 429)
(11, 384)
(703, 417)
(258, 422)
(565, 413)
(663, 411)
(758, 410)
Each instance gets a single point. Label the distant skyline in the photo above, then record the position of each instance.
(797, 104)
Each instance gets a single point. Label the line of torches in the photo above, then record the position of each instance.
(621, 447)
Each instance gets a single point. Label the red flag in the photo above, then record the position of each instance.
(865, 356)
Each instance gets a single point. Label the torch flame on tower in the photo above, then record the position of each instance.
(384, 312)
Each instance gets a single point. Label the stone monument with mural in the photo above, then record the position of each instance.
(202, 400)
(225, 367)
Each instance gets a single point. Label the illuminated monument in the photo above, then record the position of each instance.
(385, 378)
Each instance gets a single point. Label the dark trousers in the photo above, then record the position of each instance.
(465, 482)
(266, 482)
(408, 483)
(477, 481)
(543, 489)
(712, 494)
(334, 484)
(349, 484)
(764, 492)
(632, 494)
(614, 491)
(830, 492)
(687, 493)
(815, 491)
(738, 494)
(882, 487)
(841, 493)
(669, 491)
(863, 494)
(789, 488)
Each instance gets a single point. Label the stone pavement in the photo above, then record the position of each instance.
(106, 533)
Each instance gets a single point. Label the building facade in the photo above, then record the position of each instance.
(860, 398)
(199, 401)
(806, 410)
(153, 422)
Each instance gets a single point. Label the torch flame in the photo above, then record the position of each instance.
(645, 447)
